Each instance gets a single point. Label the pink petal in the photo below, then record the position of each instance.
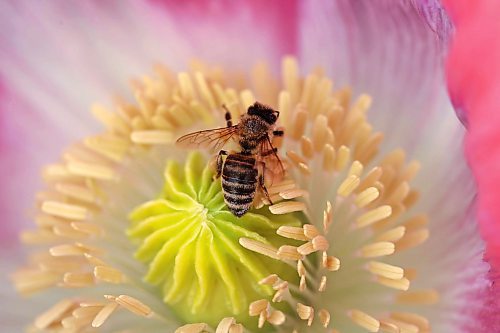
(276, 20)
(58, 57)
(475, 86)
(474, 83)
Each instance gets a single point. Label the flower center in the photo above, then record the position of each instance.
(337, 264)
(191, 242)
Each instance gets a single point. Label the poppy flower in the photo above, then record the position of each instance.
(365, 219)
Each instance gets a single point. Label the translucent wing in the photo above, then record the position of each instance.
(214, 139)
(269, 156)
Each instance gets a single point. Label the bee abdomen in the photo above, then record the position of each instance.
(233, 186)
(239, 182)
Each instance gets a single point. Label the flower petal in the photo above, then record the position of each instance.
(395, 52)
(474, 87)
(232, 32)
(386, 49)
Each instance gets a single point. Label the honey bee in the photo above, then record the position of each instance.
(242, 171)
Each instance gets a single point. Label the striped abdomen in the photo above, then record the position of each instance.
(239, 182)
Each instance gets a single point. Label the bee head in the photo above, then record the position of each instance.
(265, 112)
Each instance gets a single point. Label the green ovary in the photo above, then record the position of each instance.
(190, 241)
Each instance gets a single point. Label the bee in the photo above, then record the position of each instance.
(242, 171)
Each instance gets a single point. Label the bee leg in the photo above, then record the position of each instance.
(219, 163)
(228, 116)
(278, 133)
(269, 152)
(262, 183)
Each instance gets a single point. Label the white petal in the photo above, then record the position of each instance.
(388, 50)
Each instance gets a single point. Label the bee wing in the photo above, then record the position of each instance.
(214, 139)
(270, 157)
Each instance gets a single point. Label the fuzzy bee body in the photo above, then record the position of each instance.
(242, 172)
(239, 182)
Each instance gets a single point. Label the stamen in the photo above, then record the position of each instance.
(276, 318)
(389, 327)
(131, 304)
(262, 319)
(288, 252)
(88, 228)
(356, 169)
(364, 320)
(66, 250)
(330, 263)
(236, 328)
(298, 126)
(324, 317)
(281, 293)
(306, 248)
(225, 324)
(94, 171)
(257, 307)
(307, 147)
(86, 311)
(310, 231)
(348, 186)
(152, 137)
(412, 239)
(68, 231)
(78, 279)
(29, 282)
(373, 216)
(366, 197)
(305, 312)
(377, 249)
(418, 297)
(327, 217)
(76, 191)
(403, 327)
(411, 318)
(104, 314)
(342, 158)
(371, 178)
(68, 211)
(303, 283)
(322, 284)
(287, 207)
(321, 133)
(192, 328)
(44, 320)
(270, 280)
(400, 284)
(392, 235)
(304, 169)
(385, 270)
(293, 193)
(108, 274)
(328, 157)
(301, 270)
(416, 222)
(259, 247)
(320, 243)
(292, 233)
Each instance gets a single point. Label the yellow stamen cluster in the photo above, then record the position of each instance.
(357, 203)
(367, 199)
